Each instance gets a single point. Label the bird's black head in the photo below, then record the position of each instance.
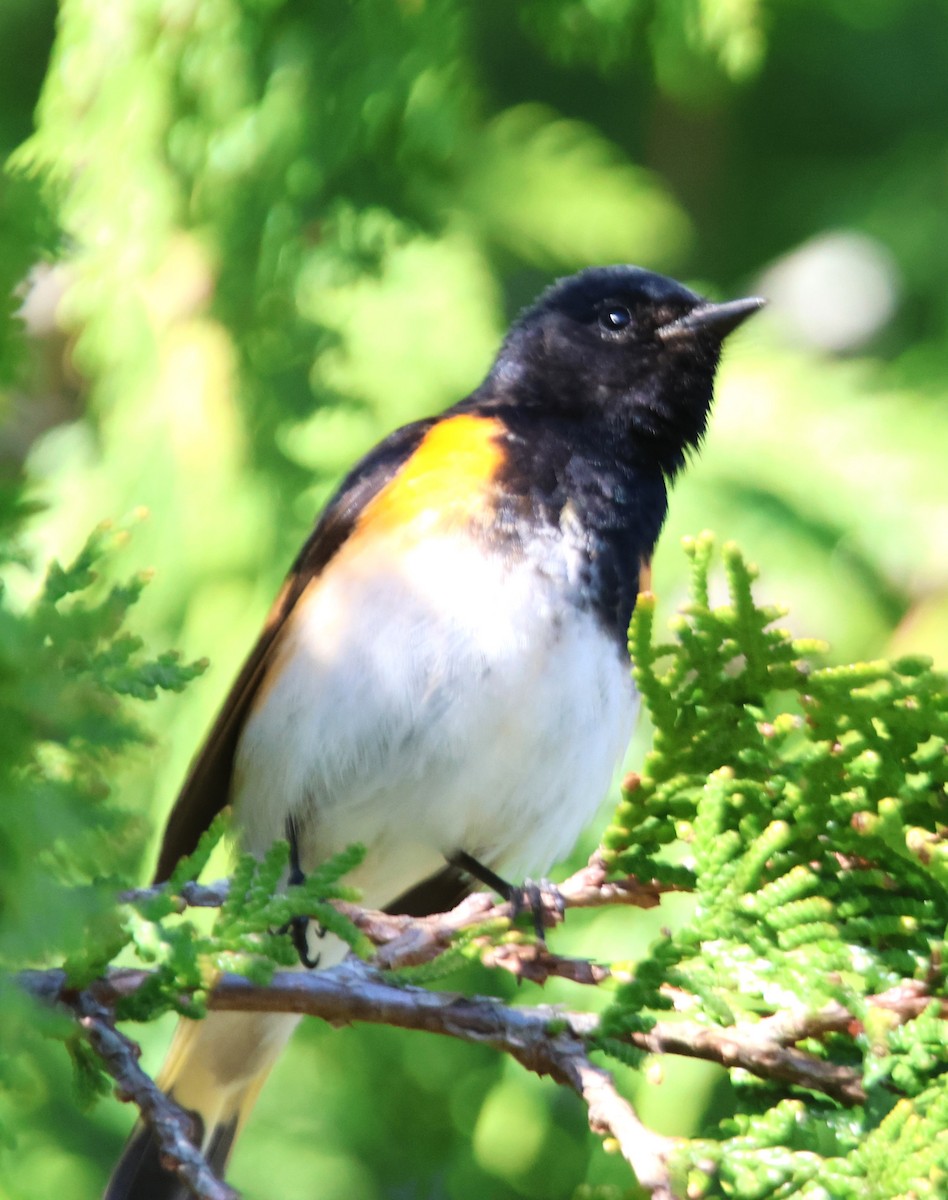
(637, 349)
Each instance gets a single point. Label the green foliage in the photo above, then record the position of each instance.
(792, 1151)
(68, 666)
(467, 946)
(248, 935)
(66, 663)
(695, 44)
(249, 932)
(276, 165)
(812, 799)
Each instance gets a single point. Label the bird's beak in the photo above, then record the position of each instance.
(719, 319)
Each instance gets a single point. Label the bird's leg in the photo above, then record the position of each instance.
(298, 927)
(526, 897)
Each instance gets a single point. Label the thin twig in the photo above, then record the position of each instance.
(407, 941)
(749, 1046)
(610, 1114)
(542, 1038)
(404, 941)
(172, 1126)
(188, 895)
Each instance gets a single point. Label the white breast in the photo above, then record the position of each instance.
(427, 699)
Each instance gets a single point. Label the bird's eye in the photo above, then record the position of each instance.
(614, 317)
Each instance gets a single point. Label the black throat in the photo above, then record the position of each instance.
(574, 501)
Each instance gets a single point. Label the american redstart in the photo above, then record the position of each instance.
(444, 676)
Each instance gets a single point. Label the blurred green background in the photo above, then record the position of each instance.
(248, 237)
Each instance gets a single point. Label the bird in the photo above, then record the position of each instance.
(444, 675)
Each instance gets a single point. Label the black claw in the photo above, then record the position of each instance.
(298, 928)
(530, 897)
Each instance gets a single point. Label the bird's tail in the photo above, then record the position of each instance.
(215, 1070)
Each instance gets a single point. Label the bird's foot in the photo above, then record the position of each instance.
(537, 897)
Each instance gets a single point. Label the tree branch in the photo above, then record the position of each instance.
(404, 941)
(188, 895)
(173, 1127)
(755, 1049)
(355, 991)
(544, 1039)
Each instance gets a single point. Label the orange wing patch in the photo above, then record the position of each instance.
(443, 481)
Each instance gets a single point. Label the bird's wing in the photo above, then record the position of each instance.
(207, 785)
